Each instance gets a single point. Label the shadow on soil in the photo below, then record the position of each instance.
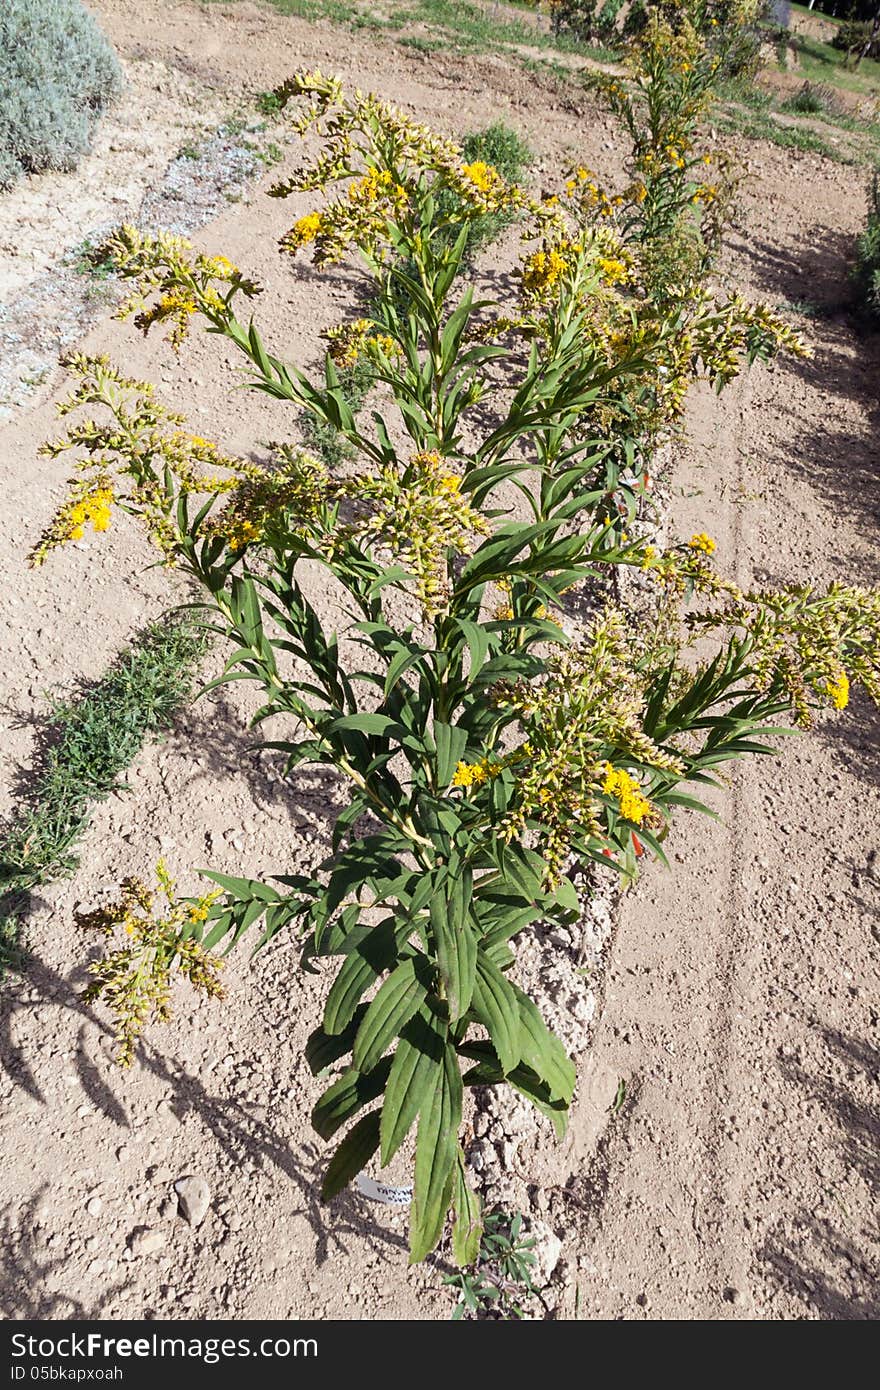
(30, 1269)
(240, 1132)
(837, 455)
(818, 1259)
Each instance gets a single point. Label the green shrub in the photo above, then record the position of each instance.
(57, 72)
(814, 99)
(499, 146)
(867, 272)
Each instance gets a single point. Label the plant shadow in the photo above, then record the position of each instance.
(242, 1136)
(818, 1259)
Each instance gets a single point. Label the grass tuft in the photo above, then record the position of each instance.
(89, 742)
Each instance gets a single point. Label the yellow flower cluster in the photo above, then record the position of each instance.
(614, 271)
(419, 513)
(141, 440)
(634, 805)
(173, 280)
(303, 232)
(591, 702)
(90, 500)
(543, 270)
(484, 177)
(587, 197)
(702, 542)
(475, 774)
(350, 341)
(135, 980)
(805, 644)
(387, 163)
(837, 690)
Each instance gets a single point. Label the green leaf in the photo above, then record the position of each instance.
(436, 1149)
(364, 724)
(396, 1002)
(352, 1156)
(370, 952)
(542, 1051)
(477, 640)
(323, 1049)
(419, 1052)
(451, 742)
(523, 871)
(468, 1226)
(496, 1005)
(456, 942)
(347, 1096)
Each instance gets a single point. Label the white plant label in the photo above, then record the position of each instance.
(381, 1192)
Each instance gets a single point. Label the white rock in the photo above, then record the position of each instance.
(194, 1198)
(547, 1250)
(147, 1241)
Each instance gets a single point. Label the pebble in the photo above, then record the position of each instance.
(147, 1241)
(194, 1198)
(95, 1206)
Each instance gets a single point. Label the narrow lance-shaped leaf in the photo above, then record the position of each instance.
(436, 1148)
(455, 939)
(352, 1155)
(468, 1226)
(396, 1002)
(418, 1053)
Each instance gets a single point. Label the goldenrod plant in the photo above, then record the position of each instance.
(488, 741)
(680, 186)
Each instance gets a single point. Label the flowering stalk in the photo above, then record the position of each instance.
(488, 744)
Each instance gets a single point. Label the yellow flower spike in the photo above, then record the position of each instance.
(838, 690)
(484, 177)
(303, 232)
(475, 774)
(701, 542)
(634, 805)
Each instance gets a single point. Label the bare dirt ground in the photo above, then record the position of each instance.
(741, 996)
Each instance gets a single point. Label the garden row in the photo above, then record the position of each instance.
(479, 475)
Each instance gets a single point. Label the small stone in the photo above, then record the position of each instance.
(547, 1250)
(194, 1199)
(146, 1241)
(159, 1174)
(95, 1206)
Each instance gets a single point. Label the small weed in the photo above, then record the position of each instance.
(13, 945)
(268, 104)
(91, 258)
(500, 1284)
(813, 99)
(33, 379)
